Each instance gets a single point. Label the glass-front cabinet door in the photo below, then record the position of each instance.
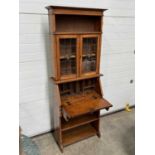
(89, 55)
(67, 46)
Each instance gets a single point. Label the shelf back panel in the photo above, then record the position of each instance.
(76, 23)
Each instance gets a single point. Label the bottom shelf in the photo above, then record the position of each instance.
(77, 134)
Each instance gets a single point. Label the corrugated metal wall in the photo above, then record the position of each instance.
(117, 59)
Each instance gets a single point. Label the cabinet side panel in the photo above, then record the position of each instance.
(98, 87)
(52, 22)
(56, 114)
(54, 69)
(96, 124)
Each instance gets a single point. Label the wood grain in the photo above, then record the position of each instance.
(76, 105)
(79, 121)
(75, 11)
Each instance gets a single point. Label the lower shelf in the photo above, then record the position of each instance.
(77, 134)
(78, 121)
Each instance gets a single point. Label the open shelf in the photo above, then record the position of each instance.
(83, 103)
(75, 122)
(77, 134)
(77, 23)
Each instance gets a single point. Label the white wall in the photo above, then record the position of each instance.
(117, 59)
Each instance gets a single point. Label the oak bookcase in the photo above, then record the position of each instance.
(75, 50)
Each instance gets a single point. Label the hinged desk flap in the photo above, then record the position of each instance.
(80, 104)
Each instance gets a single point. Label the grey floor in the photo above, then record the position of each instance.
(117, 138)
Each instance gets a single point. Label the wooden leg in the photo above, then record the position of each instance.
(99, 134)
(61, 148)
(59, 144)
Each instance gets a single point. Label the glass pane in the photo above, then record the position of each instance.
(67, 56)
(89, 54)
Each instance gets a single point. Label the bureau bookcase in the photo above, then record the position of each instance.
(75, 63)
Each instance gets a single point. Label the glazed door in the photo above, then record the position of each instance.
(90, 53)
(67, 46)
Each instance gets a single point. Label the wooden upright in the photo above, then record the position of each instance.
(75, 49)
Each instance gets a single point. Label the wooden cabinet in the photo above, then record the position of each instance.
(75, 49)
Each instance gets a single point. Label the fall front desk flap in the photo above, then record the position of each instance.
(79, 104)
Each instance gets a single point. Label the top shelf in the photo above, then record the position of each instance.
(63, 33)
(73, 24)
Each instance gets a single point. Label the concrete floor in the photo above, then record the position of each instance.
(117, 138)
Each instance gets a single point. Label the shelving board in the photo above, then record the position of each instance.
(79, 121)
(70, 33)
(77, 134)
(75, 79)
